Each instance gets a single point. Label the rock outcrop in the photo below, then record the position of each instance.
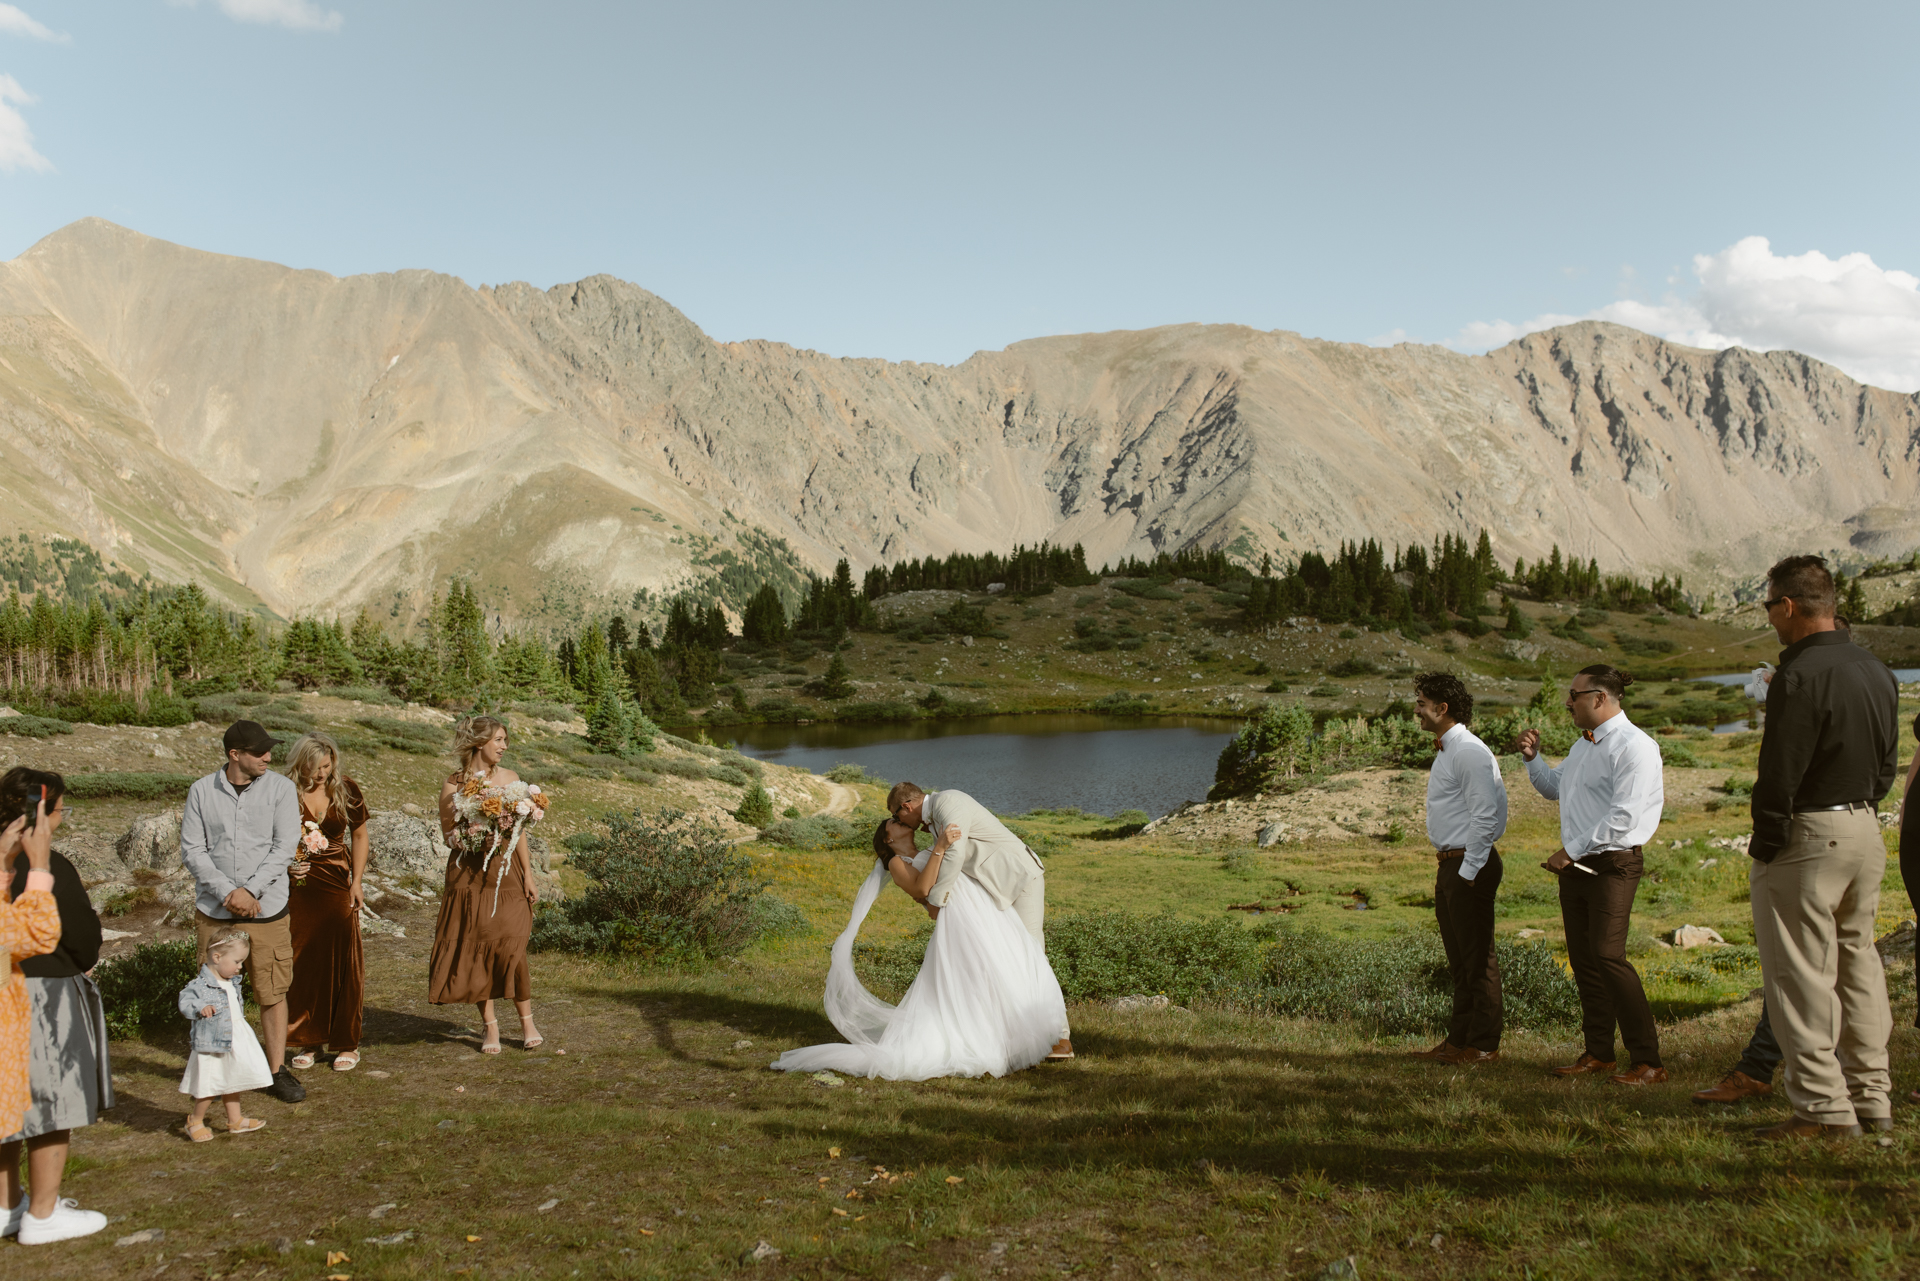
(317, 443)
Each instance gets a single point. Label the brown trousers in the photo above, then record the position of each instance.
(1595, 911)
(1464, 910)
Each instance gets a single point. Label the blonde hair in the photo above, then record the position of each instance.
(472, 734)
(226, 940)
(304, 761)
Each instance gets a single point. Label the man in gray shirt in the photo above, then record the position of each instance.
(238, 835)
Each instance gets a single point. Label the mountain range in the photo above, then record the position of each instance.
(302, 443)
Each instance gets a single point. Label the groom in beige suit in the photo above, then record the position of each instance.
(980, 847)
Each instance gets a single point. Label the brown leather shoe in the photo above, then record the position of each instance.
(1473, 1058)
(1061, 1052)
(1799, 1129)
(1881, 1124)
(1733, 1087)
(1585, 1065)
(1441, 1053)
(1640, 1074)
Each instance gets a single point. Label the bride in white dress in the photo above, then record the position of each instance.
(985, 1002)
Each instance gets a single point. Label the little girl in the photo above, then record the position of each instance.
(226, 1059)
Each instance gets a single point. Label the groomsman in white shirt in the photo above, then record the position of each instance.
(1466, 814)
(1611, 790)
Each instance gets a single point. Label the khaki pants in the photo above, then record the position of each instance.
(1813, 910)
(269, 959)
(1031, 906)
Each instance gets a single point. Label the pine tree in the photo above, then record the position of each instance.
(838, 681)
(609, 721)
(1518, 627)
(756, 808)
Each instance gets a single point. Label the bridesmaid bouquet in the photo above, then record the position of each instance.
(496, 814)
(311, 842)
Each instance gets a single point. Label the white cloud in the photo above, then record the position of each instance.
(15, 22)
(16, 140)
(295, 15)
(1847, 311)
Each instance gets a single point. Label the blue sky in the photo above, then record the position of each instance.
(920, 182)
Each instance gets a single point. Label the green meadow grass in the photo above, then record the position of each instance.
(1179, 1144)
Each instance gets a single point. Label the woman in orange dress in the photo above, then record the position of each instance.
(29, 926)
(480, 940)
(328, 991)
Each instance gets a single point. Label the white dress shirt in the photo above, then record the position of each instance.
(1466, 802)
(1610, 788)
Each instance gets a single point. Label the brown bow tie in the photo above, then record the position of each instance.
(1588, 735)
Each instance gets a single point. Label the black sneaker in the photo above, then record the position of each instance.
(286, 1087)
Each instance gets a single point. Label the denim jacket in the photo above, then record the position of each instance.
(214, 1035)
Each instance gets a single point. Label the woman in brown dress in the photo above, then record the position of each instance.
(480, 942)
(328, 889)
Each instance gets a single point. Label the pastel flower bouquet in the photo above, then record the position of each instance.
(312, 841)
(491, 817)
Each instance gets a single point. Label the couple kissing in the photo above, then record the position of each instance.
(986, 1001)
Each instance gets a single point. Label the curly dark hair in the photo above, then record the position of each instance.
(1447, 689)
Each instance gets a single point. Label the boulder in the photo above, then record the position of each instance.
(1696, 936)
(403, 844)
(93, 855)
(1272, 834)
(152, 842)
(1141, 1002)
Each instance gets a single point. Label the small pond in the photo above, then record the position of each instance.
(1905, 675)
(1012, 764)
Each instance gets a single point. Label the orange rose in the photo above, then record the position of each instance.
(472, 787)
(491, 807)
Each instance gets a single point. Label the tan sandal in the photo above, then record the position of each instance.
(495, 1047)
(201, 1133)
(247, 1126)
(346, 1060)
(302, 1061)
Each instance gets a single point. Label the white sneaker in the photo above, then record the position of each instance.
(67, 1220)
(13, 1217)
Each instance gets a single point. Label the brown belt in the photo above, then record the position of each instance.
(1444, 855)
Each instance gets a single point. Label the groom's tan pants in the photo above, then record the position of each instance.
(1031, 907)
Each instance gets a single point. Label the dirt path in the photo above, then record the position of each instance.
(843, 802)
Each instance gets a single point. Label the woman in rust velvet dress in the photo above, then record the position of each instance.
(329, 968)
(480, 941)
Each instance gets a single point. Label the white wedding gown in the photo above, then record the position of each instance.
(984, 1003)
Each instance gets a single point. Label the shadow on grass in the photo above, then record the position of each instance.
(664, 1008)
(392, 1027)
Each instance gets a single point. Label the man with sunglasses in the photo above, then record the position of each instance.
(1828, 755)
(1611, 790)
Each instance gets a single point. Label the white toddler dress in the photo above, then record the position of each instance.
(242, 1068)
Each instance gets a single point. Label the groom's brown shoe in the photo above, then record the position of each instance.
(1061, 1052)
(1441, 1053)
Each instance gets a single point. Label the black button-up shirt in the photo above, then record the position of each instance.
(1832, 735)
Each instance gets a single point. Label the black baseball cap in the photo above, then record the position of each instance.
(250, 737)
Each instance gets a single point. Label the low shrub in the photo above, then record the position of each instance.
(816, 832)
(365, 694)
(406, 736)
(1354, 667)
(1735, 785)
(1101, 955)
(1123, 704)
(94, 708)
(142, 989)
(681, 767)
(129, 786)
(772, 917)
(888, 969)
(1674, 752)
(122, 901)
(850, 773)
(264, 709)
(34, 726)
(670, 888)
(541, 710)
(1400, 986)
